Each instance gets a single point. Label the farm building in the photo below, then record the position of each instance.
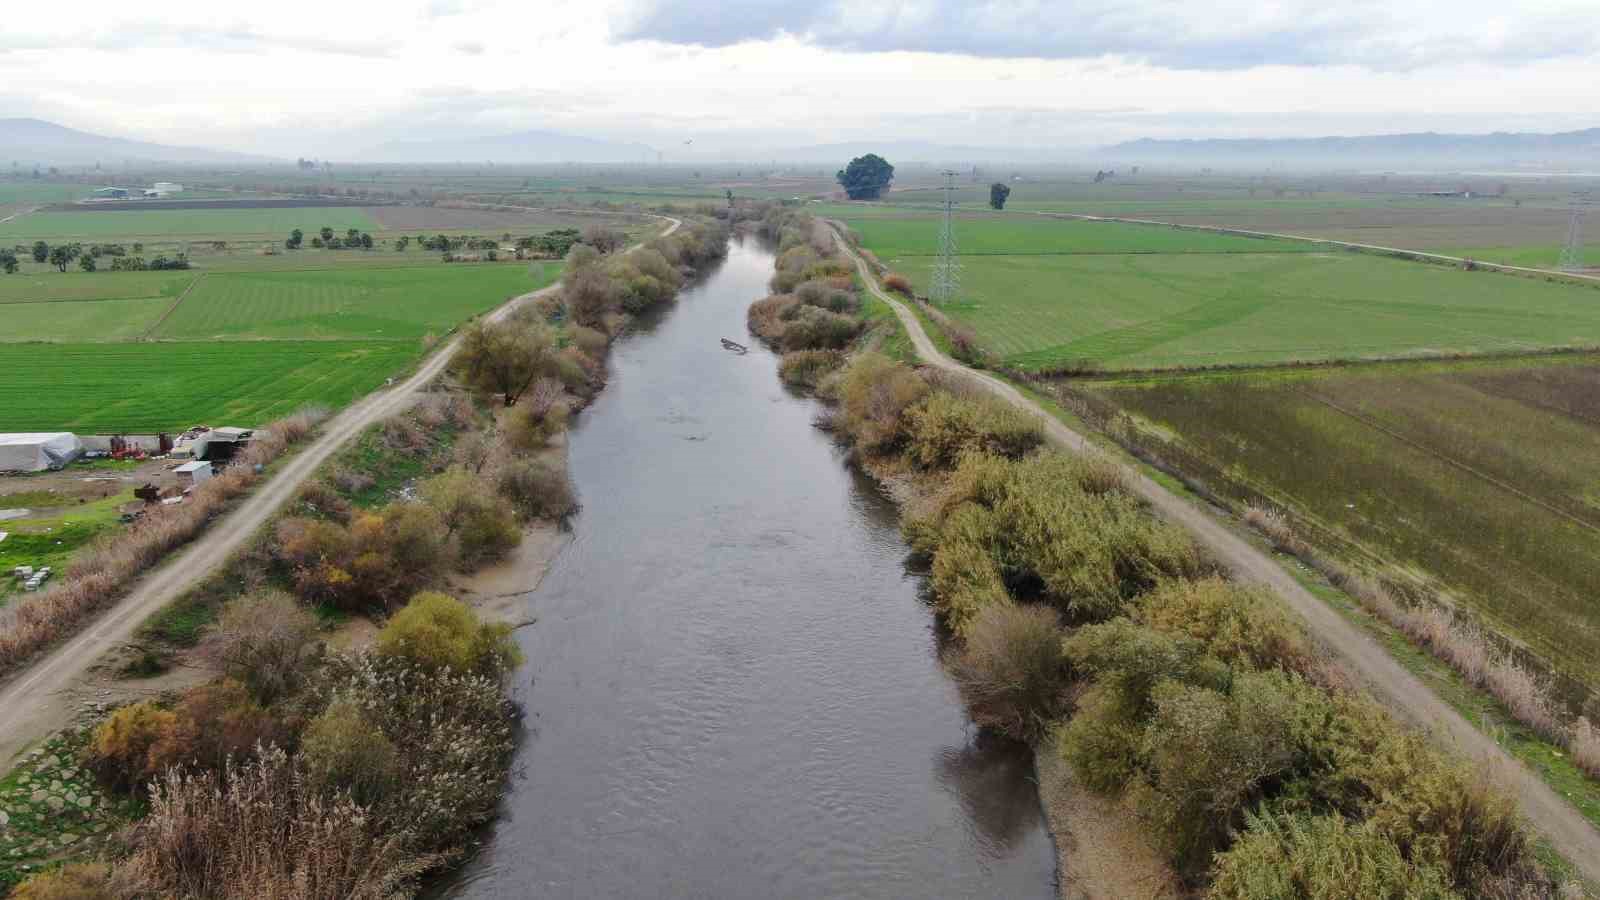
(110, 193)
(163, 188)
(193, 474)
(212, 444)
(37, 451)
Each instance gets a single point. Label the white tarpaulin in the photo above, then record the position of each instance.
(37, 451)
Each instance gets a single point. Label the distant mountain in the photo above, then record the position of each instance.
(1569, 147)
(522, 147)
(903, 152)
(46, 143)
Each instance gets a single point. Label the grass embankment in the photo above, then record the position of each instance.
(1072, 295)
(360, 772)
(1196, 704)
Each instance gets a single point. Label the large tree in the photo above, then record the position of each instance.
(998, 193)
(41, 251)
(506, 357)
(866, 178)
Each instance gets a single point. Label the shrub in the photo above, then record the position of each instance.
(436, 631)
(965, 578)
(536, 489)
(899, 284)
(806, 368)
(1275, 525)
(874, 393)
(481, 522)
(74, 881)
(1451, 815)
(262, 640)
(119, 752)
(1240, 625)
(1320, 858)
(1012, 671)
(1209, 756)
(769, 317)
(1526, 695)
(1585, 746)
(373, 561)
(344, 751)
(539, 417)
(814, 328)
(590, 340)
(943, 427)
(213, 723)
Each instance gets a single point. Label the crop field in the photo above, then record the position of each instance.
(374, 304)
(102, 388)
(1072, 295)
(49, 285)
(1481, 474)
(181, 223)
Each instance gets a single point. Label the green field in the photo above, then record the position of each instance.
(152, 386)
(1113, 296)
(375, 304)
(194, 224)
(1482, 474)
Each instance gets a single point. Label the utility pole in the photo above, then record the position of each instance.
(1571, 254)
(947, 270)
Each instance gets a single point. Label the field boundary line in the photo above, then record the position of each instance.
(1569, 833)
(1444, 457)
(159, 322)
(1399, 252)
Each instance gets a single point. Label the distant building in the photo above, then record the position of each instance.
(110, 193)
(163, 188)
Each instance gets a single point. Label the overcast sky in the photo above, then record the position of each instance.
(329, 79)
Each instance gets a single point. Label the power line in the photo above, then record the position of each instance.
(947, 269)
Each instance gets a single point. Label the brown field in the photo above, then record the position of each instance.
(1480, 479)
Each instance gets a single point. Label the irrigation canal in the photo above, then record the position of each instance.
(733, 687)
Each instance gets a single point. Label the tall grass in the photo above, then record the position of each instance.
(103, 572)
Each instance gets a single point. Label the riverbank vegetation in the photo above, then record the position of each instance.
(307, 770)
(1084, 624)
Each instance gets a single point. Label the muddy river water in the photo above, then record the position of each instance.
(732, 688)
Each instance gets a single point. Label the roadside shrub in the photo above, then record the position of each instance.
(807, 368)
(898, 284)
(943, 427)
(1011, 670)
(1452, 815)
(874, 393)
(320, 499)
(1275, 525)
(1209, 756)
(481, 522)
(1238, 624)
(119, 752)
(1320, 858)
(1584, 743)
(74, 881)
(436, 631)
(262, 640)
(344, 751)
(535, 489)
(1526, 695)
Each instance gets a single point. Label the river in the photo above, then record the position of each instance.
(733, 687)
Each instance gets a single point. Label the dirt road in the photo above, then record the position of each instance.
(1568, 832)
(33, 702)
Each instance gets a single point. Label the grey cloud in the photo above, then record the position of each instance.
(471, 48)
(1378, 34)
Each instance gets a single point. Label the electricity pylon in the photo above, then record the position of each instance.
(947, 269)
(1571, 254)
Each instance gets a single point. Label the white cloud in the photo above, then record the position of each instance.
(310, 78)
